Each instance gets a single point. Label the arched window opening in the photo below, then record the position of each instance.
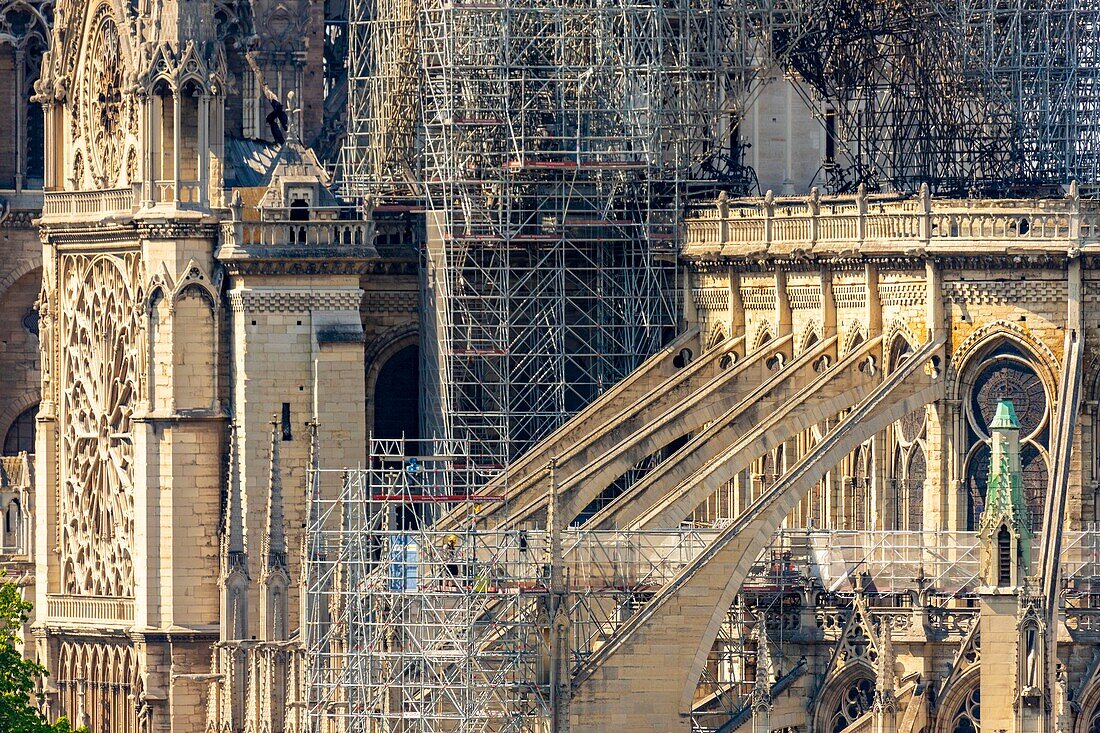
(163, 105)
(858, 503)
(855, 342)
(20, 435)
(1094, 721)
(968, 716)
(299, 210)
(36, 146)
(762, 338)
(915, 474)
(12, 519)
(856, 701)
(12, 540)
(1007, 374)
(1004, 557)
(899, 351)
(397, 396)
(811, 341)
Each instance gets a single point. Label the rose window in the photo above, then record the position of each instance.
(99, 327)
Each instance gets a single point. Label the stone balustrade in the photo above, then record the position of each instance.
(319, 233)
(189, 192)
(845, 222)
(85, 203)
(89, 609)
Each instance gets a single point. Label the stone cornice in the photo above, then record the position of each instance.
(291, 300)
(90, 237)
(294, 261)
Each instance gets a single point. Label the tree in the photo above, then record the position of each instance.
(18, 713)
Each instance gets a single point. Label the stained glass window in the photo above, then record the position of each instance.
(909, 468)
(1006, 375)
(20, 435)
(968, 716)
(855, 702)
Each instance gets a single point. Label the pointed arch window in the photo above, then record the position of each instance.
(855, 701)
(20, 436)
(1094, 721)
(908, 465)
(968, 715)
(1006, 374)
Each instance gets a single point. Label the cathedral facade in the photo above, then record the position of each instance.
(193, 320)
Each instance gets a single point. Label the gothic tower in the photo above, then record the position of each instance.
(133, 422)
(195, 282)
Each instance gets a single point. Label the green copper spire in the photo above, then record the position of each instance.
(1005, 417)
(1004, 495)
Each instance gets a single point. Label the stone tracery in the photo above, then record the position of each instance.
(106, 110)
(98, 390)
(1007, 374)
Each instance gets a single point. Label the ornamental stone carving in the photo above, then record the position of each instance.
(99, 385)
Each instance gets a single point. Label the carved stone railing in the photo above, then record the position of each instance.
(1083, 623)
(89, 609)
(190, 192)
(84, 203)
(918, 222)
(322, 233)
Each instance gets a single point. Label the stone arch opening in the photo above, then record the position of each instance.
(1089, 719)
(21, 433)
(20, 375)
(717, 336)
(194, 333)
(908, 467)
(397, 395)
(13, 527)
(965, 716)
(1004, 371)
(811, 339)
(299, 209)
(846, 699)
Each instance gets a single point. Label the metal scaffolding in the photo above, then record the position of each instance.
(379, 155)
(561, 144)
(408, 627)
(555, 147)
(412, 628)
(990, 97)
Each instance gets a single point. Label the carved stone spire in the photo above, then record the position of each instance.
(885, 704)
(1005, 528)
(312, 547)
(275, 533)
(761, 697)
(234, 576)
(235, 547)
(275, 580)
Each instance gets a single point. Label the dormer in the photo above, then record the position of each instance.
(293, 214)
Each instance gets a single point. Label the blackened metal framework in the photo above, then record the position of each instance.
(990, 97)
(555, 147)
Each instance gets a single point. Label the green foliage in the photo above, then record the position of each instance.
(18, 675)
